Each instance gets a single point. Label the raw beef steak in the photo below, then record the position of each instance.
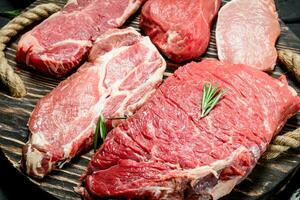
(247, 32)
(61, 43)
(124, 69)
(166, 151)
(179, 28)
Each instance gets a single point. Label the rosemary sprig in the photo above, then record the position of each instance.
(211, 95)
(10, 13)
(101, 130)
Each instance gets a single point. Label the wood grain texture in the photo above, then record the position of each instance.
(267, 176)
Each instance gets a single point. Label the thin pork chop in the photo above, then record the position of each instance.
(124, 69)
(247, 32)
(166, 151)
(60, 43)
(179, 28)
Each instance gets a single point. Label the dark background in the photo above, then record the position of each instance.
(15, 186)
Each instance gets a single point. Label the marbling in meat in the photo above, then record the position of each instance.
(61, 43)
(124, 69)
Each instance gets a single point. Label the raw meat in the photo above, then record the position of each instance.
(124, 69)
(166, 151)
(247, 32)
(179, 28)
(59, 44)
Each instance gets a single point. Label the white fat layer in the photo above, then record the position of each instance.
(154, 78)
(256, 152)
(224, 187)
(34, 161)
(52, 63)
(171, 36)
(293, 91)
(68, 147)
(111, 33)
(174, 38)
(214, 167)
(38, 139)
(72, 41)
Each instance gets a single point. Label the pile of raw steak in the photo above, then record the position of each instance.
(123, 70)
(164, 149)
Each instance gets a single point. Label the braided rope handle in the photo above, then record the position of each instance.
(291, 61)
(7, 75)
(282, 143)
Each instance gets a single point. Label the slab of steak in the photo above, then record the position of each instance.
(124, 69)
(166, 151)
(59, 44)
(179, 28)
(247, 32)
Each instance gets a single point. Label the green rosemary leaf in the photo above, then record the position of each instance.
(96, 136)
(213, 103)
(103, 130)
(211, 95)
(213, 91)
(100, 132)
(10, 14)
(204, 92)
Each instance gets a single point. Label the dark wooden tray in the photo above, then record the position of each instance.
(267, 176)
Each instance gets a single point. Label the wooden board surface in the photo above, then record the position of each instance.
(267, 176)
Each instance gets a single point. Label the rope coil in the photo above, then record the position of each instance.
(8, 77)
(282, 143)
(291, 61)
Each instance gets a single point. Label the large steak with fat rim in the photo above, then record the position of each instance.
(60, 44)
(124, 69)
(166, 151)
